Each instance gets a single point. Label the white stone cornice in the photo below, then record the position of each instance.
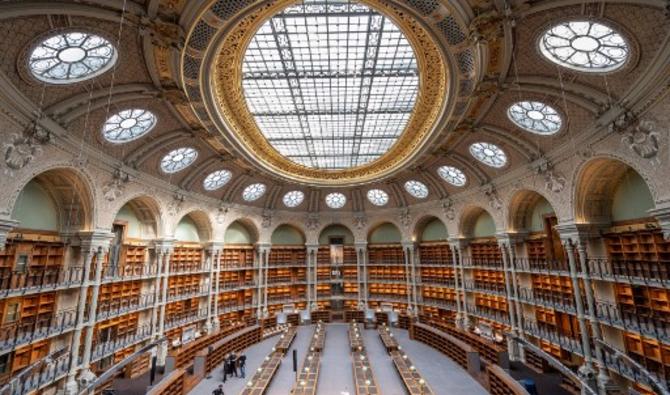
(94, 239)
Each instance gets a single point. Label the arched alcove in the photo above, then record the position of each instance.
(55, 200)
(430, 229)
(336, 231)
(193, 227)
(609, 190)
(477, 222)
(140, 217)
(385, 233)
(240, 232)
(287, 235)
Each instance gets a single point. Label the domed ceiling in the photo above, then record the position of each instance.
(330, 105)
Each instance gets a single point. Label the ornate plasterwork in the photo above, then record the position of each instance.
(21, 149)
(241, 126)
(115, 186)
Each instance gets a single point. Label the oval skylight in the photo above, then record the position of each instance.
(71, 57)
(489, 154)
(331, 86)
(128, 125)
(535, 117)
(452, 175)
(217, 179)
(253, 192)
(417, 189)
(585, 46)
(293, 198)
(378, 197)
(178, 159)
(335, 200)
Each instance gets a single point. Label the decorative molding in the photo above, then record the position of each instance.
(447, 205)
(115, 186)
(492, 195)
(24, 148)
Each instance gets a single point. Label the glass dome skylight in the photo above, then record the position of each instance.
(331, 84)
(293, 198)
(71, 57)
(178, 159)
(128, 125)
(335, 200)
(253, 192)
(585, 46)
(217, 179)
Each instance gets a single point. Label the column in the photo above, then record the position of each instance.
(259, 282)
(166, 247)
(216, 324)
(406, 249)
(312, 277)
(158, 254)
(100, 244)
(586, 370)
(459, 304)
(458, 247)
(604, 382)
(361, 273)
(515, 292)
(264, 252)
(511, 344)
(71, 386)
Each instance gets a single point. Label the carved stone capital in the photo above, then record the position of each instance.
(662, 215)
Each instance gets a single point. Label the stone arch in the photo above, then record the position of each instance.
(469, 216)
(71, 191)
(594, 187)
(148, 211)
(391, 225)
(520, 209)
(202, 223)
(247, 224)
(421, 224)
(289, 226)
(332, 225)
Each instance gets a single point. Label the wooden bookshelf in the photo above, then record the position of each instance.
(438, 294)
(387, 273)
(650, 353)
(642, 301)
(638, 251)
(215, 355)
(384, 255)
(287, 256)
(172, 384)
(186, 258)
(486, 252)
(489, 351)
(443, 342)
(489, 279)
(491, 303)
(116, 328)
(558, 322)
(555, 289)
(133, 259)
(435, 253)
(241, 256)
(183, 284)
(115, 295)
(27, 355)
(501, 383)
(29, 263)
(390, 291)
(28, 313)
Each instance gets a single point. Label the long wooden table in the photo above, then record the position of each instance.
(308, 376)
(286, 339)
(355, 337)
(389, 341)
(260, 381)
(364, 379)
(413, 381)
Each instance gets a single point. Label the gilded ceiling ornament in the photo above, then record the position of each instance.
(241, 125)
(23, 148)
(486, 27)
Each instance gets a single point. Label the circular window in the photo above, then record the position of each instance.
(585, 46)
(489, 154)
(535, 117)
(178, 159)
(217, 179)
(293, 198)
(335, 200)
(253, 192)
(71, 57)
(452, 175)
(128, 125)
(378, 197)
(417, 189)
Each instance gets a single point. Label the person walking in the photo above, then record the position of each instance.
(232, 359)
(218, 391)
(226, 369)
(242, 364)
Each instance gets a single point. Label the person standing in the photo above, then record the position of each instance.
(232, 361)
(242, 364)
(218, 391)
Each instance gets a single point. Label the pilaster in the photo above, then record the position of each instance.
(458, 246)
(312, 276)
(213, 251)
(362, 273)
